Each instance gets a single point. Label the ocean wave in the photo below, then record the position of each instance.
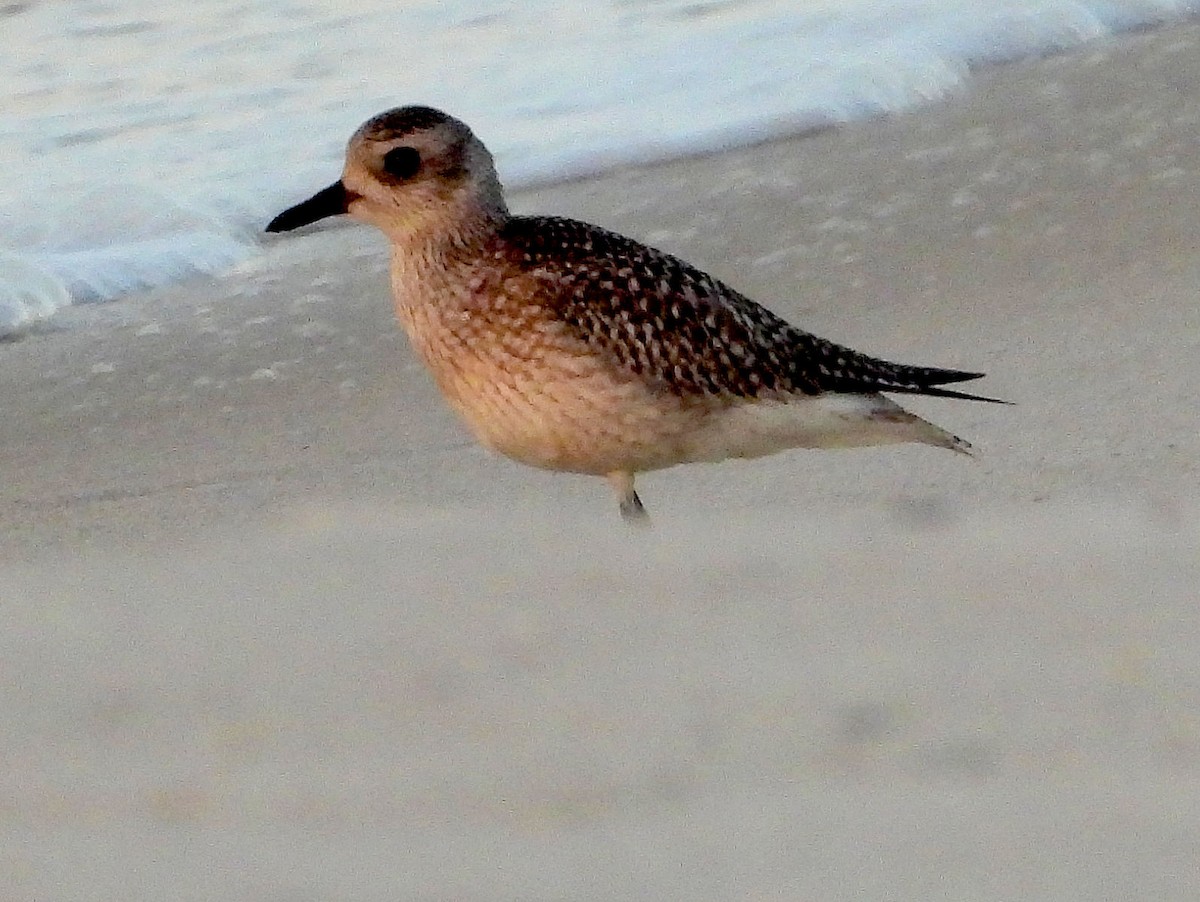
(116, 180)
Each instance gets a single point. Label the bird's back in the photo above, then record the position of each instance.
(684, 330)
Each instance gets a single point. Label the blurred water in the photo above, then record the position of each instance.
(142, 141)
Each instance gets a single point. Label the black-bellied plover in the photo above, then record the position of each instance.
(572, 348)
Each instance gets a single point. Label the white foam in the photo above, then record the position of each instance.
(98, 244)
(181, 128)
(102, 273)
(27, 294)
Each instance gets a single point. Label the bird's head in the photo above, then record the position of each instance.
(411, 171)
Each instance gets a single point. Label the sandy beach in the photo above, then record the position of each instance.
(275, 628)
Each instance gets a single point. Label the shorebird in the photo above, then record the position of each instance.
(569, 347)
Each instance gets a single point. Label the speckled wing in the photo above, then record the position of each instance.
(686, 331)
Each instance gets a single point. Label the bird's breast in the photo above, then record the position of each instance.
(525, 385)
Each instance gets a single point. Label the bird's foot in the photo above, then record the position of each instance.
(633, 511)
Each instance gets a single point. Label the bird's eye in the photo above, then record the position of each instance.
(402, 162)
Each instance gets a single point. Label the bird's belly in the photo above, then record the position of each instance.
(579, 422)
(533, 393)
(574, 415)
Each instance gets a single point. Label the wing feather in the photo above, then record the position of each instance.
(672, 323)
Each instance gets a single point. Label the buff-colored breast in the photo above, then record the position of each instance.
(525, 386)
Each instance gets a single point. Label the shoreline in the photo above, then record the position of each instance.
(770, 134)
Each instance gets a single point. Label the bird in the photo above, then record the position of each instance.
(569, 347)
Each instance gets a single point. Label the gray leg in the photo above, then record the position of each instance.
(632, 510)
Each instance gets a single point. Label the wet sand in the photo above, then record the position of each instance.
(275, 628)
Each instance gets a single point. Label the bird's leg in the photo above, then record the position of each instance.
(632, 510)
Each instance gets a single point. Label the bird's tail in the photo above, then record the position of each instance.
(925, 380)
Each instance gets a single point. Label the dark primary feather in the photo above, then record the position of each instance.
(665, 319)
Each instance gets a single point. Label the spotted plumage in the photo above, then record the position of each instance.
(570, 347)
(692, 334)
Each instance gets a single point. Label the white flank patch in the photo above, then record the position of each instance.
(827, 421)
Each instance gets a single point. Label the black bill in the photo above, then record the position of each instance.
(329, 202)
